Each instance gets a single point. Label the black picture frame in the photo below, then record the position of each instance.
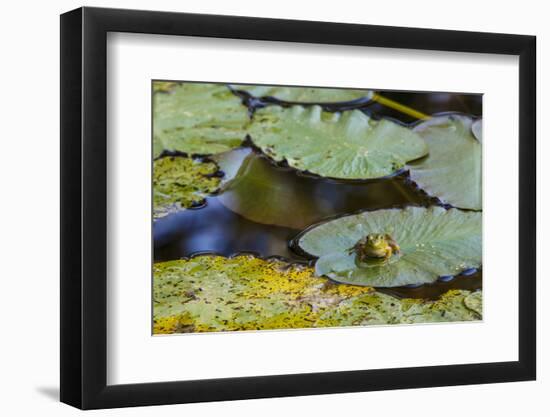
(84, 207)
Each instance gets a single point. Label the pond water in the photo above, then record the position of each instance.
(266, 205)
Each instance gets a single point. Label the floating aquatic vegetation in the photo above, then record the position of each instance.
(180, 182)
(433, 242)
(452, 170)
(346, 145)
(198, 119)
(376, 308)
(212, 293)
(474, 302)
(450, 307)
(305, 94)
(297, 174)
(163, 86)
(477, 129)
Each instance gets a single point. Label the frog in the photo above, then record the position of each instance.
(375, 246)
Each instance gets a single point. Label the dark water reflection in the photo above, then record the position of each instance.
(215, 228)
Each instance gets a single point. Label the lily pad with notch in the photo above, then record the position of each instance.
(452, 170)
(345, 145)
(430, 243)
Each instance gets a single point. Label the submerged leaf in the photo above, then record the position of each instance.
(212, 293)
(306, 94)
(269, 195)
(180, 182)
(347, 145)
(433, 242)
(198, 118)
(452, 170)
(230, 162)
(260, 191)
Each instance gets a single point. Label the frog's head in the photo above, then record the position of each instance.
(376, 241)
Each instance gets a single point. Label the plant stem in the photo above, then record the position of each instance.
(399, 107)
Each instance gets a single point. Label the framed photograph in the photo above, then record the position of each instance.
(259, 208)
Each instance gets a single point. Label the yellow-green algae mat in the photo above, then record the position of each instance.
(180, 182)
(211, 293)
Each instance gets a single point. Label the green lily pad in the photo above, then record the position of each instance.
(180, 182)
(450, 307)
(433, 242)
(377, 308)
(305, 94)
(477, 129)
(474, 302)
(211, 293)
(163, 86)
(452, 170)
(347, 145)
(198, 119)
